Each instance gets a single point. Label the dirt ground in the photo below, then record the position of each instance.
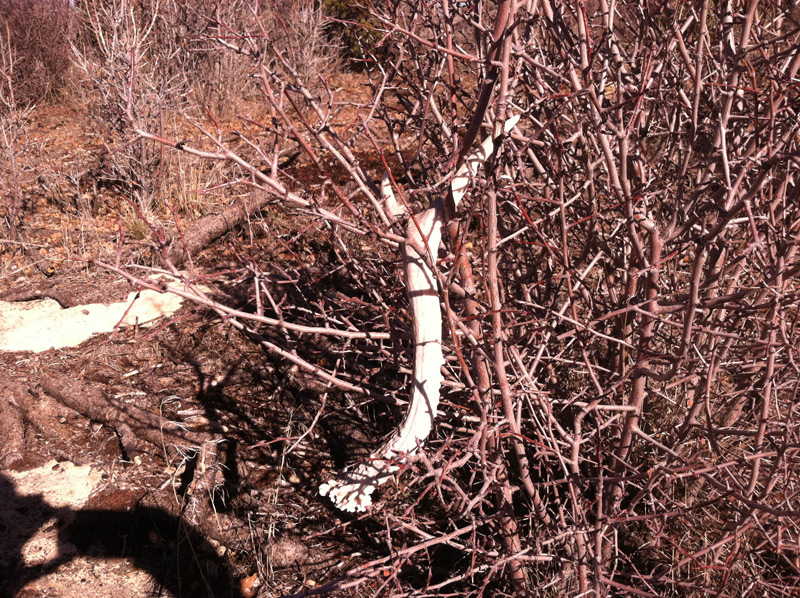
(154, 460)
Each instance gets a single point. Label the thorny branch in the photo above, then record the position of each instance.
(624, 339)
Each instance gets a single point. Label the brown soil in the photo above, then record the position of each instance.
(153, 461)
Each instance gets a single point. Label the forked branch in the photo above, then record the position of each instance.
(351, 490)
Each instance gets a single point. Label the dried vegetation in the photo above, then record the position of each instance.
(619, 285)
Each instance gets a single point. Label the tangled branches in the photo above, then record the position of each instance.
(619, 287)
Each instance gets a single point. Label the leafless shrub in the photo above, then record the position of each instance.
(38, 32)
(296, 32)
(207, 76)
(14, 120)
(34, 64)
(619, 293)
(119, 46)
(155, 62)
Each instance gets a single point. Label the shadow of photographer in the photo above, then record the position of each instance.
(177, 557)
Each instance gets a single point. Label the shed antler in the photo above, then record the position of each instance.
(351, 489)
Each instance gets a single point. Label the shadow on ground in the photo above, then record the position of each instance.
(179, 560)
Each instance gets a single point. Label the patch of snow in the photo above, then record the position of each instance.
(43, 324)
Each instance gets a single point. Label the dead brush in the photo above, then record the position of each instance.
(618, 284)
(299, 39)
(14, 120)
(38, 32)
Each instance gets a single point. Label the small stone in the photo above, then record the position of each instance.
(288, 551)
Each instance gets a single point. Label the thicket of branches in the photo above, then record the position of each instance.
(36, 36)
(620, 295)
(34, 64)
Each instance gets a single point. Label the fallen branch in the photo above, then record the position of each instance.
(12, 445)
(140, 431)
(208, 229)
